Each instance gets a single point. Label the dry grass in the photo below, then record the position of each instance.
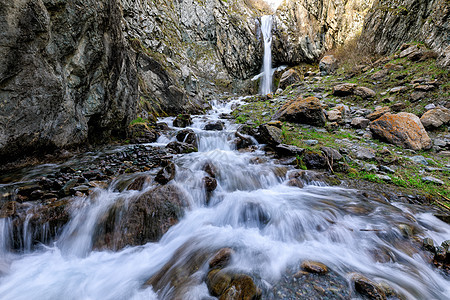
(353, 54)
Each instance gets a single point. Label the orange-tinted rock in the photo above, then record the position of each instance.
(367, 288)
(303, 111)
(314, 267)
(378, 113)
(402, 129)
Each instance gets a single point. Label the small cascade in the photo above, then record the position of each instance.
(266, 29)
(269, 224)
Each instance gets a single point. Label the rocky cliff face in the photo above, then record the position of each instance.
(393, 22)
(66, 76)
(305, 29)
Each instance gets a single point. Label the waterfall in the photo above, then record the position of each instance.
(266, 29)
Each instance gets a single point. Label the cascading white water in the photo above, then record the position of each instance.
(269, 224)
(266, 30)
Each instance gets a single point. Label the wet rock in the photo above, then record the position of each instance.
(314, 160)
(288, 78)
(140, 220)
(269, 135)
(368, 288)
(242, 141)
(231, 286)
(44, 222)
(221, 259)
(360, 122)
(210, 184)
(142, 133)
(314, 267)
(166, 174)
(217, 282)
(436, 117)
(402, 129)
(288, 150)
(344, 89)
(179, 148)
(328, 65)
(302, 111)
(162, 126)
(378, 113)
(295, 182)
(217, 126)
(210, 169)
(430, 179)
(428, 244)
(8, 209)
(187, 136)
(66, 189)
(253, 215)
(138, 183)
(182, 120)
(364, 92)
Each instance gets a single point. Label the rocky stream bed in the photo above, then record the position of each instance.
(206, 208)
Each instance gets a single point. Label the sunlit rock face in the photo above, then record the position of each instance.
(392, 23)
(305, 29)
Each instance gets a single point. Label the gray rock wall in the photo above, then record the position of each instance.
(391, 23)
(66, 76)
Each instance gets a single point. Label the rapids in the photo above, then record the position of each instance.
(270, 225)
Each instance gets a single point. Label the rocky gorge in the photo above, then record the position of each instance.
(163, 181)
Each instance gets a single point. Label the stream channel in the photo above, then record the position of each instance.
(270, 226)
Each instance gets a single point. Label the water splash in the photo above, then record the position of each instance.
(266, 29)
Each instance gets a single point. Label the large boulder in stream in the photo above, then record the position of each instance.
(140, 220)
(302, 111)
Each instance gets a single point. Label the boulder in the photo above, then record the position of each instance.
(328, 65)
(380, 74)
(187, 136)
(288, 150)
(182, 120)
(221, 259)
(140, 220)
(269, 135)
(360, 122)
(242, 141)
(314, 160)
(141, 133)
(179, 148)
(210, 184)
(378, 113)
(367, 288)
(166, 174)
(344, 89)
(302, 111)
(364, 92)
(402, 129)
(436, 117)
(314, 267)
(230, 286)
(216, 125)
(289, 77)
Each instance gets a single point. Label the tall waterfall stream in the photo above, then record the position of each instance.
(271, 226)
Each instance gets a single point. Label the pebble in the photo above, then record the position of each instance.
(384, 177)
(387, 169)
(419, 159)
(311, 142)
(430, 179)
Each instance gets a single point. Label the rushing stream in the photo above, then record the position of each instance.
(269, 224)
